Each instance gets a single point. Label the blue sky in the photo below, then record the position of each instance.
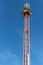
(11, 32)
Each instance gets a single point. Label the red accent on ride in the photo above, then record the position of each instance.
(26, 30)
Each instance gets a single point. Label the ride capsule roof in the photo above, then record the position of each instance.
(26, 9)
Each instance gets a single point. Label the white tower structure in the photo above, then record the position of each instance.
(26, 49)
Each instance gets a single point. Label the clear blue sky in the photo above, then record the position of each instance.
(11, 32)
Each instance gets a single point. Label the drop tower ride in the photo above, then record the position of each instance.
(26, 45)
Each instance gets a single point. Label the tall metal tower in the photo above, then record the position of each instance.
(26, 49)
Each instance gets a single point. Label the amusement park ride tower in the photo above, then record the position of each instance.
(26, 48)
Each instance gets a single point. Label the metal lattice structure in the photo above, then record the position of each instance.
(26, 54)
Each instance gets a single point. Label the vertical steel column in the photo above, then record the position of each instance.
(26, 39)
